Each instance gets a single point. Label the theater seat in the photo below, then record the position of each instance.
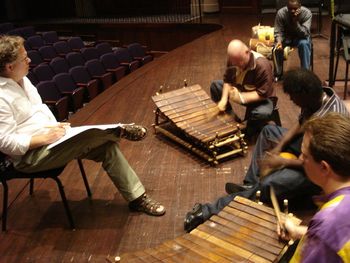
(138, 53)
(54, 99)
(126, 60)
(82, 78)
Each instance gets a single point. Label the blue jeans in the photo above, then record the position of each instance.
(257, 114)
(304, 51)
(288, 183)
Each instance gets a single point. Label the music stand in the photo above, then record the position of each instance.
(340, 12)
(320, 5)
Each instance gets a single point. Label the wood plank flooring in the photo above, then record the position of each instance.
(38, 230)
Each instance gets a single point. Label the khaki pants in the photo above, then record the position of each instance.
(97, 145)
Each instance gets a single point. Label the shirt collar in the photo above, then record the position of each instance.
(320, 200)
(3, 81)
(251, 63)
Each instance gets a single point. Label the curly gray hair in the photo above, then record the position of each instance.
(9, 49)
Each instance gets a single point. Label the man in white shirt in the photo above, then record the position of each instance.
(27, 127)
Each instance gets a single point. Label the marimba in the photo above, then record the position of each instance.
(244, 231)
(189, 117)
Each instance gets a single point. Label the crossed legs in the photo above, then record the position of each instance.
(100, 146)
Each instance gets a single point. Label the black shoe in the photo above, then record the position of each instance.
(193, 218)
(232, 188)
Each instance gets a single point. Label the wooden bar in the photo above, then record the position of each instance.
(199, 123)
(234, 235)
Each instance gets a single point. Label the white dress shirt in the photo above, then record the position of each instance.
(22, 115)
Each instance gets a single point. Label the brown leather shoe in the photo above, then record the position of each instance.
(133, 132)
(147, 205)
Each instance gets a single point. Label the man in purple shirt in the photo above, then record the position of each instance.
(326, 161)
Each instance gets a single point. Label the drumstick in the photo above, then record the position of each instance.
(276, 208)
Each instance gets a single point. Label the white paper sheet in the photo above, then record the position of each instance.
(73, 131)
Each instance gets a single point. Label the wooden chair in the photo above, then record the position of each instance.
(8, 172)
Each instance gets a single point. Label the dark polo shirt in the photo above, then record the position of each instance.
(256, 77)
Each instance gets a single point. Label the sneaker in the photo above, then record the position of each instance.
(132, 132)
(147, 205)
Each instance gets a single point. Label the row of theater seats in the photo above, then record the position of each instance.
(68, 73)
(94, 68)
(10, 29)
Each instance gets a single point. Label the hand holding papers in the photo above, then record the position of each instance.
(73, 131)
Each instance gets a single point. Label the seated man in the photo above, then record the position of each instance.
(247, 81)
(325, 154)
(292, 28)
(286, 175)
(27, 127)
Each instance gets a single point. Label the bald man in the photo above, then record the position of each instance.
(247, 81)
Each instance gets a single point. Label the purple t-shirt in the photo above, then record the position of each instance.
(328, 235)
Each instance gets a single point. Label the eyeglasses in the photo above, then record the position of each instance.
(24, 59)
(19, 60)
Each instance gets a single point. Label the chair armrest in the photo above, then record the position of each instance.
(51, 102)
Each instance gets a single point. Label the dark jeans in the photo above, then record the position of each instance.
(304, 51)
(257, 114)
(288, 183)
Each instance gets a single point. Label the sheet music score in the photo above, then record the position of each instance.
(73, 131)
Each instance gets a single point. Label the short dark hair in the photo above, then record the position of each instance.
(9, 49)
(330, 141)
(302, 81)
(294, 1)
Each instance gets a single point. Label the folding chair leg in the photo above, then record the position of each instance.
(336, 67)
(83, 174)
(31, 186)
(312, 57)
(338, 46)
(64, 200)
(4, 206)
(346, 80)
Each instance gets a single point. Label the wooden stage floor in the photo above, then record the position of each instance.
(38, 230)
